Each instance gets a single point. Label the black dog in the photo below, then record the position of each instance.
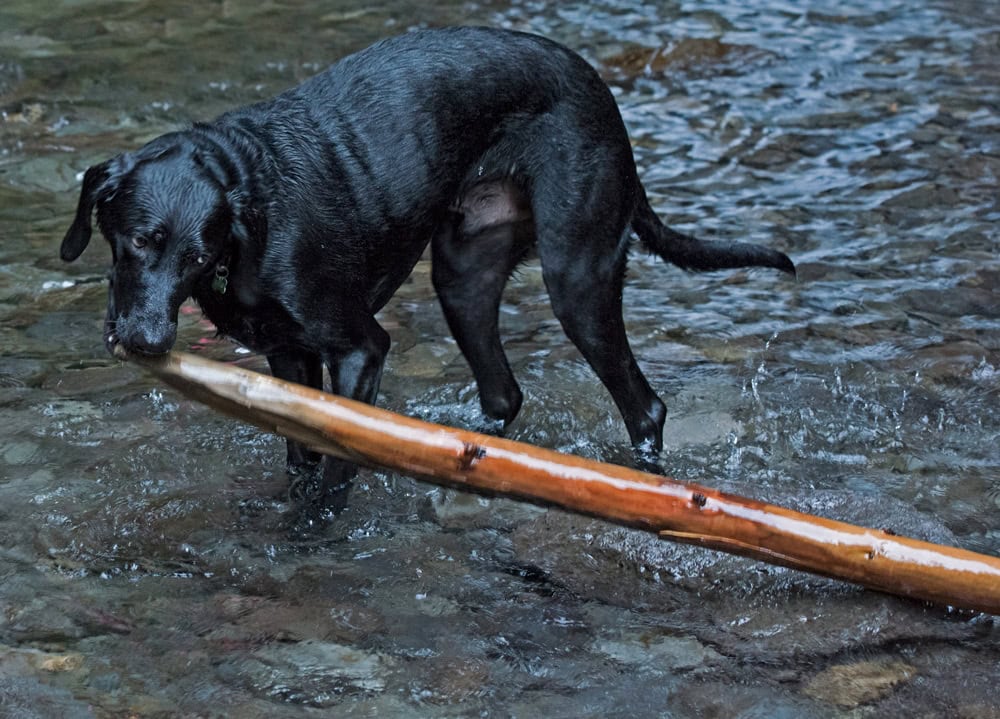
(293, 221)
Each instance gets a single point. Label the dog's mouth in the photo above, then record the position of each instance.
(118, 350)
(112, 342)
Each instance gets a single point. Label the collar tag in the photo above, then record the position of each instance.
(220, 283)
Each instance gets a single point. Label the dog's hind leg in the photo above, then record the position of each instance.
(587, 301)
(470, 267)
(583, 247)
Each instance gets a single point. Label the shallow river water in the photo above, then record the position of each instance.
(146, 565)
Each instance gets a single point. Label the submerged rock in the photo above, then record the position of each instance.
(849, 685)
(312, 673)
(25, 697)
(687, 54)
(658, 654)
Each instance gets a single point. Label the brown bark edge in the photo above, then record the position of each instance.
(678, 511)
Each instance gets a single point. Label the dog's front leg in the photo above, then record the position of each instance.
(307, 369)
(354, 350)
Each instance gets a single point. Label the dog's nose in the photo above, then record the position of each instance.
(153, 344)
(146, 336)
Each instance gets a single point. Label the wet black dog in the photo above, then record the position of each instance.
(293, 221)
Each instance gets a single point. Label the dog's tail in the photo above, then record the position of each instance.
(690, 253)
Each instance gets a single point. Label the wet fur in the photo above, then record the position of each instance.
(315, 206)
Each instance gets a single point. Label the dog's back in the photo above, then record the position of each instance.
(420, 116)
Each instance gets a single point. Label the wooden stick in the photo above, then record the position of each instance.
(674, 510)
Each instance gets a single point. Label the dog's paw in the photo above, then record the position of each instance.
(320, 491)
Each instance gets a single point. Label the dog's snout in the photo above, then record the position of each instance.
(143, 335)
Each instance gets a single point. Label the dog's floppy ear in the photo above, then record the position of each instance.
(97, 181)
(222, 172)
(249, 229)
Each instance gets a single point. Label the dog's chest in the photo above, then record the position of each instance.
(262, 328)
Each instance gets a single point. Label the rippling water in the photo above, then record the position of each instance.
(146, 568)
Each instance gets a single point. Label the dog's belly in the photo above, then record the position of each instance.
(391, 269)
(485, 206)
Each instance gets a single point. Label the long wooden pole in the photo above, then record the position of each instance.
(678, 511)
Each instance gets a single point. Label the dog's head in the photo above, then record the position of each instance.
(169, 212)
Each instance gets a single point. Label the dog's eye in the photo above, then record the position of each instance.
(201, 259)
(139, 241)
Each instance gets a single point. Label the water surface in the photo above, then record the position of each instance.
(146, 567)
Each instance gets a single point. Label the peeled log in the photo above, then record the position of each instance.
(678, 511)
